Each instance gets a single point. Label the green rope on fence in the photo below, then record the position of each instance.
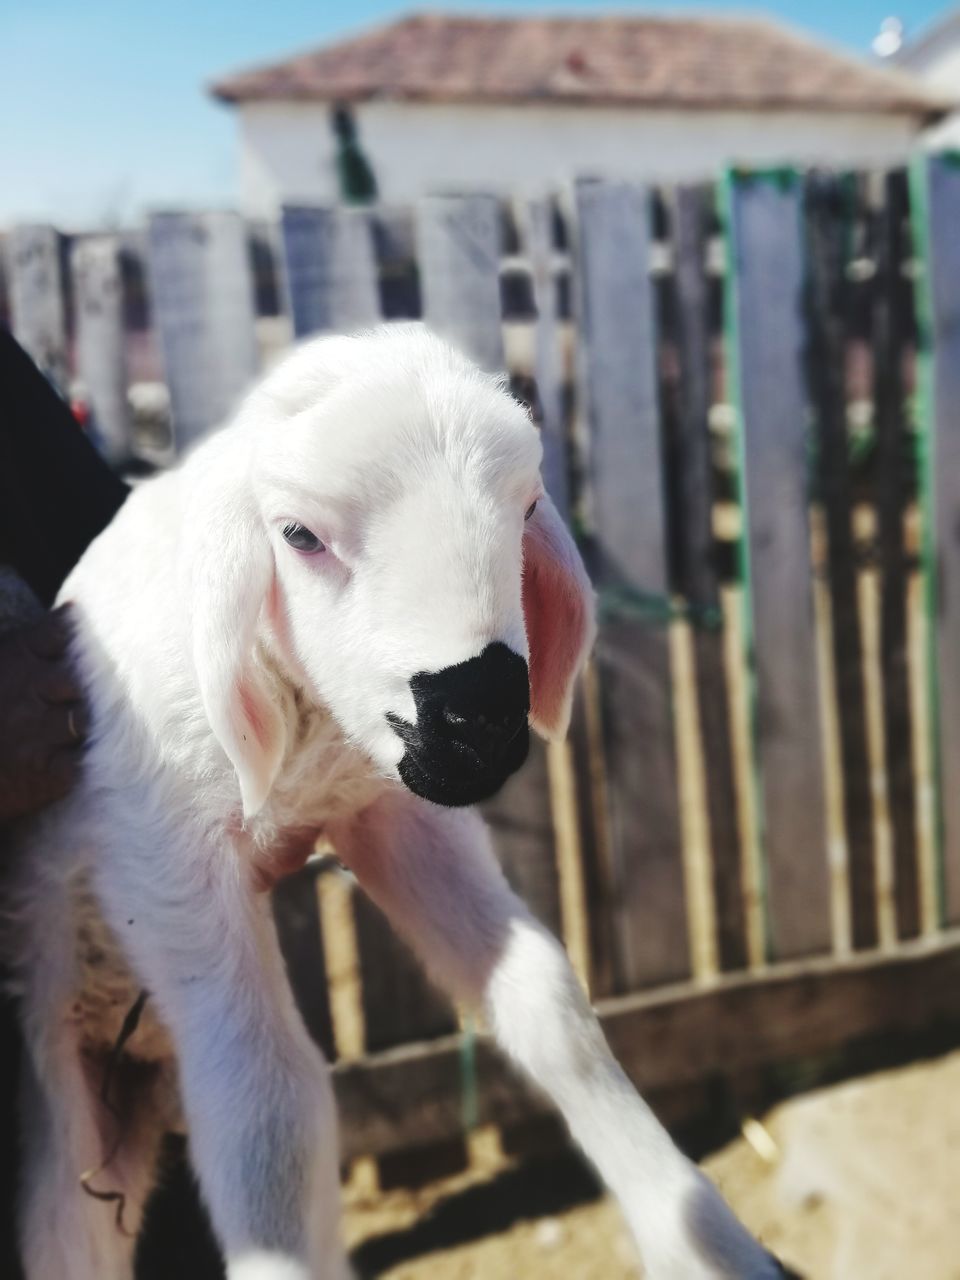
(469, 1092)
(623, 603)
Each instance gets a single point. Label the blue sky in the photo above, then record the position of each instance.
(103, 111)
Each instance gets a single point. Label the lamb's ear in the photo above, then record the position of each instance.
(558, 608)
(232, 572)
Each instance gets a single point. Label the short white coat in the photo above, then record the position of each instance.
(238, 690)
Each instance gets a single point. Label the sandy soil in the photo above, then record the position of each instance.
(858, 1180)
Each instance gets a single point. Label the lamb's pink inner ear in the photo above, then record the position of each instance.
(229, 592)
(558, 611)
(250, 711)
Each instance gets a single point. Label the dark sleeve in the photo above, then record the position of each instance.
(56, 492)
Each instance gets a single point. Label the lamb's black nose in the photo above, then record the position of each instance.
(470, 731)
(486, 734)
(482, 704)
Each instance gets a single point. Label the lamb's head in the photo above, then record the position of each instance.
(399, 556)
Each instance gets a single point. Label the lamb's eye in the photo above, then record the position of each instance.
(530, 510)
(300, 538)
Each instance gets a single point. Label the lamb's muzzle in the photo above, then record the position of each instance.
(471, 729)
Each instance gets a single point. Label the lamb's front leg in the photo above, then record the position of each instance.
(256, 1091)
(434, 874)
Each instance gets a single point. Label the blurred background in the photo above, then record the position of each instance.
(717, 253)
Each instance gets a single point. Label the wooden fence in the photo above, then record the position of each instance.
(750, 403)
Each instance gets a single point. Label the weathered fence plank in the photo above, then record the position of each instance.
(202, 295)
(937, 192)
(298, 928)
(766, 277)
(399, 1003)
(37, 305)
(828, 216)
(891, 309)
(398, 281)
(537, 230)
(460, 240)
(572, 831)
(330, 269)
(459, 243)
(100, 341)
(792, 1012)
(697, 571)
(618, 346)
(520, 818)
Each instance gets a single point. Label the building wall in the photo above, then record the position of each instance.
(287, 149)
(938, 63)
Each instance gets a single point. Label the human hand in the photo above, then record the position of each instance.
(43, 721)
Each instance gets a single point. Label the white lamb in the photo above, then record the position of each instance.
(337, 616)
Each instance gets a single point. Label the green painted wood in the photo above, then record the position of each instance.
(937, 217)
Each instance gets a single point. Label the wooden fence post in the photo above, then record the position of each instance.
(100, 345)
(766, 351)
(828, 222)
(399, 1004)
(568, 763)
(618, 346)
(697, 570)
(459, 247)
(331, 283)
(459, 241)
(936, 191)
(398, 281)
(892, 309)
(297, 918)
(330, 269)
(37, 304)
(202, 298)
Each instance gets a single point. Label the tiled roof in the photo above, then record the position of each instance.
(688, 63)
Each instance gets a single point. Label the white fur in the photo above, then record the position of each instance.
(238, 692)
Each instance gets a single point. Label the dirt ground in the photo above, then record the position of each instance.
(858, 1180)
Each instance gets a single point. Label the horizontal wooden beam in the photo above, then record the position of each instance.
(413, 1095)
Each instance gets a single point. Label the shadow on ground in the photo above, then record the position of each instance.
(540, 1188)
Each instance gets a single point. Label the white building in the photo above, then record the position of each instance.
(523, 104)
(934, 56)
